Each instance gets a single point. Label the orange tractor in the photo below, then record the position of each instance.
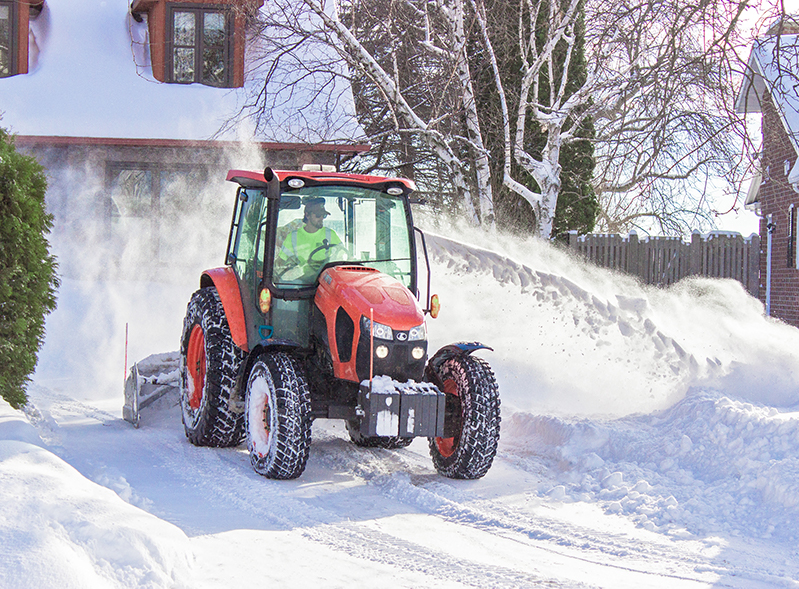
(316, 315)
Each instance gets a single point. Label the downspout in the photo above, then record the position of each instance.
(769, 234)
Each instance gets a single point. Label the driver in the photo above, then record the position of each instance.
(309, 246)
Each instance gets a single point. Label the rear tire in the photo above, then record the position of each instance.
(209, 361)
(278, 416)
(387, 442)
(472, 391)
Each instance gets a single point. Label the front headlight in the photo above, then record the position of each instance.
(381, 331)
(418, 333)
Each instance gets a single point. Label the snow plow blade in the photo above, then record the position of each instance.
(404, 409)
(148, 381)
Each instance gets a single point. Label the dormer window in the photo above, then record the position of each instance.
(196, 41)
(8, 34)
(201, 46)
(15, 19)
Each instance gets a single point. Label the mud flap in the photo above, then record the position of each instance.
(148, 381)
(401, 409)
(449, 351)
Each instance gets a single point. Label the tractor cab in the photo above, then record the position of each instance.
(288, 229)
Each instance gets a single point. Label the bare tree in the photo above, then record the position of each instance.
(657, 88)
(667, 134)
(457, 137)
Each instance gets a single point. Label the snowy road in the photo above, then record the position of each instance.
(359, 514)
(649, 439)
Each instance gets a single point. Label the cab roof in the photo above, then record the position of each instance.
(251, 179)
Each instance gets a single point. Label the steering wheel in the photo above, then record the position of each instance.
(325, 246)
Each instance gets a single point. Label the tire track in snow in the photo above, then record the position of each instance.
(220, 481)
(273, 502)
(431, 494)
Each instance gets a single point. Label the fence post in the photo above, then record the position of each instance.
(696, 254)
(633, 260)
(573, 240)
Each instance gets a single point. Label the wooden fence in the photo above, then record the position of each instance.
(665, 260)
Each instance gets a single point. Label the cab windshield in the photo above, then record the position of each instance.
(321, 224)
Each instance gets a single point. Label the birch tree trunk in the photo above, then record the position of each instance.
(642, 65)
(475, 135)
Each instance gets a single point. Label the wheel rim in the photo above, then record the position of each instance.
(447, 446)
(260, 414)
(267, 419)
(195, 361)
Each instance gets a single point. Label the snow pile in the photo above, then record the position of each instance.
(573, 339)
(676, 407)
(161, 369)
(58, 529)
(709, 465)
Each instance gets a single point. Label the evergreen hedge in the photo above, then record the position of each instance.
(28, 279)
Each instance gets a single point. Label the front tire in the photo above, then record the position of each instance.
(209, 361)
(473, 406)
(278, 416)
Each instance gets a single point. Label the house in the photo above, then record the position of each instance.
(769, 88)
(136, 111)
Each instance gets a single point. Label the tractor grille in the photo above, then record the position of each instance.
(399, 364)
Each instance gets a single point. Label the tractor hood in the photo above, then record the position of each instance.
(361, 290)
(347, 297)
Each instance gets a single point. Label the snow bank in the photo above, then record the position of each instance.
(58, 529)
(709, 465)
(14, 426)
(574, 339)
(677, 407)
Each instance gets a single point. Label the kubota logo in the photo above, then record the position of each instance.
(402, 336)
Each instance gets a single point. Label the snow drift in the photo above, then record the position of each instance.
(59, 529)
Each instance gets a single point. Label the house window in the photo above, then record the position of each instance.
(7, 34)
(148, 203)
(201, 45)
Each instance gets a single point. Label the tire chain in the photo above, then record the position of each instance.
(479, 439)
(217, 425)
(294, 418)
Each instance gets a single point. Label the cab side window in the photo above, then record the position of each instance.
(249, 218)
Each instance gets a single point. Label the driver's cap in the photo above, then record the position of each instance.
(316, 205)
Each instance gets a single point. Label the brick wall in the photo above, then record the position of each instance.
(777, 198)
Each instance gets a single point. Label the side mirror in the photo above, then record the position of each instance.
(435, 306)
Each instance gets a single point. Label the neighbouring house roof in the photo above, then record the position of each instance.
(89, 76)
(773, 70)
(752, 202)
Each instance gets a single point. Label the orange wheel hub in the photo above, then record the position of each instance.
(195, 363)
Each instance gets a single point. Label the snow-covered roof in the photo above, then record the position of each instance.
(774, 67)
(90, 77)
